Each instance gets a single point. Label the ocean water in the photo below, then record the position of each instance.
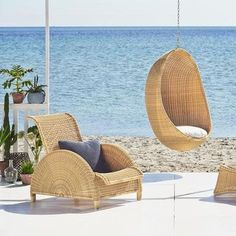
(99, 74)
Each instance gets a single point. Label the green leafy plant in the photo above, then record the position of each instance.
(35, 87)
(3, 135)
(27, 168)
(15, 78)
(12, 137)
(34, 141)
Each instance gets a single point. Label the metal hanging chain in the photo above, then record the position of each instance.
(178, 25)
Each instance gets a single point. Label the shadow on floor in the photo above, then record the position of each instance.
(18, 184)
(159, 177)
(14, 185)
(228, 199)
(56, 206)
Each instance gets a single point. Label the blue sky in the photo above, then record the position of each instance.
(118, 12)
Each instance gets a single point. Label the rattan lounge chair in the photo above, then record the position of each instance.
(226, 182)
(66, 174)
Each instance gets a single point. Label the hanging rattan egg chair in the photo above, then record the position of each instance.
(176, 103)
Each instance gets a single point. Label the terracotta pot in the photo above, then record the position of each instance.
(3, 166)
(18, 97)
(26, 179)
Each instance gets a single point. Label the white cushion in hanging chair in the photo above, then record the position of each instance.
(194, 132)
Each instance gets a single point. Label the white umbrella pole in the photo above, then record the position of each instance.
(47, 51)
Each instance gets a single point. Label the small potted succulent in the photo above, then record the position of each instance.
(27, 169)
(16, 81)
(36, 92)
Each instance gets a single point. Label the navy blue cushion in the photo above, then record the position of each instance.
(89, 150)
(102, 166)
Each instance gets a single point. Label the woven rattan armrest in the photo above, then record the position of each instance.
(120, 176)
(116, 157)
(62, 166)
(66, 154)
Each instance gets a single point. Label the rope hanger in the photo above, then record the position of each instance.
(178, 25)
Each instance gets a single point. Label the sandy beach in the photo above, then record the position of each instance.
(151, 156)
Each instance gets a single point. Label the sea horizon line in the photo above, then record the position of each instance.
(135, 26)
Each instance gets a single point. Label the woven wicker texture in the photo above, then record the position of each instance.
(18, 158)
(174, 97)
(66, 174)
(56, 127)
(226, 182)
(119, 176)
(116, 157)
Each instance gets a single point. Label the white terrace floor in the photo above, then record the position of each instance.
(173, 204)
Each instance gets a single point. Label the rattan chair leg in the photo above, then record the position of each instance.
(139, 192)
(96, 204)
(33, 197)
(139, 195)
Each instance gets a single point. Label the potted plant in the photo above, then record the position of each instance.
(36, 92)
(34, 141)
(12, 137)
(16, 81)
(27, 169)
(3, 136)
(8, 136)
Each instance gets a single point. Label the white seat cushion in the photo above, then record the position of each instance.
(192, 131)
